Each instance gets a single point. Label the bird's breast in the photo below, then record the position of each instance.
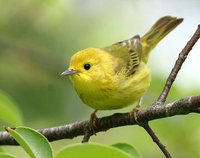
(114, 93)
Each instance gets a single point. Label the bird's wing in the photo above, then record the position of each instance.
(127, 53)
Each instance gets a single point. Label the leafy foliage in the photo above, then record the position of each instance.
(35, 144)
(5, 155)
(91, 150)
(127, 148)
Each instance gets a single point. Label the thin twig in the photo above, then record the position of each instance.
(177, 66)
(156, 139)
(88, 133)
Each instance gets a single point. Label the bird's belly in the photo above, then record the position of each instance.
(117, 99)
(123, 96)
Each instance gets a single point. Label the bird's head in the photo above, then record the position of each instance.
(88, 65)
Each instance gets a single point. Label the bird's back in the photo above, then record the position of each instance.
(121, 50)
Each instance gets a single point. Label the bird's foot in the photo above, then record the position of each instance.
(134, 113)
(92, 122)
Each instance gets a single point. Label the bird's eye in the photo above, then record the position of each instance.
(87, 66)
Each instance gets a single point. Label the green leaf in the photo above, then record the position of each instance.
(34, 143)
(127, 148)
(4, 155)
(91, 150)
(9, 112)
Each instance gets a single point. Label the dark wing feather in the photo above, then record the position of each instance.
(127, 54)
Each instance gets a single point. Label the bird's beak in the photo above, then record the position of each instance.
(68, 72)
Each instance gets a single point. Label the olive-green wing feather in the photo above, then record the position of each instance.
(157, 32)
(127, 53)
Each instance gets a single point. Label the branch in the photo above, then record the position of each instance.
(179, 107)
(156, 140)
(177, 66)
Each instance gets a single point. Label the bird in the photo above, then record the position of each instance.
(117, 75)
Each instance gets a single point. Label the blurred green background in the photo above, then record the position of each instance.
(37, 39)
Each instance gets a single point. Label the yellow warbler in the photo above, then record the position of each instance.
(116, 76)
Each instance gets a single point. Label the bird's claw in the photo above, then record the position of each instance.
(134, 113)
(92, 122)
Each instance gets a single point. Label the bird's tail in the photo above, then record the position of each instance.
(157, 32)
